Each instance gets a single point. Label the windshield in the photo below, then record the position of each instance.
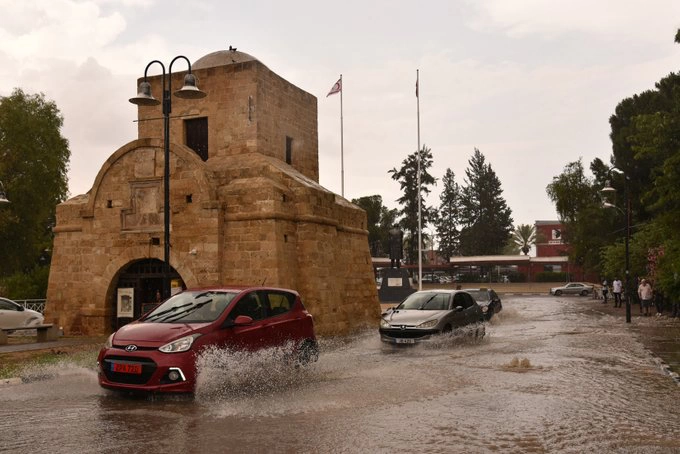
(481, 296)
(427, 301)
(191, 307)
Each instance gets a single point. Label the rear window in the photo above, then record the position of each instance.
(479, 295)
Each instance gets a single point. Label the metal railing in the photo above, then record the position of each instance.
(36, 305)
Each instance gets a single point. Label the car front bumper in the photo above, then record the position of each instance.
(147, 371)
(406, 335)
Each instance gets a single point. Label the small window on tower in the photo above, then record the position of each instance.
(289, 150)
(196, 136)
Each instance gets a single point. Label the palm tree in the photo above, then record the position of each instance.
(524, 236)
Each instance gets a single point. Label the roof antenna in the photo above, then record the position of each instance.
(263, 281)
(233, 49)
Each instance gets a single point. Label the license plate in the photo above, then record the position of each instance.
(405, 341)
(125, 368)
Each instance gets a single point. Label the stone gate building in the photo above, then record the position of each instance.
(245, 208)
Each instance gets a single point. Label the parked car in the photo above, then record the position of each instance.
(14, 315)
(426, 313)
(431, 278)
(488, 299)
(572, 288)
(158, 352)
(445, 279)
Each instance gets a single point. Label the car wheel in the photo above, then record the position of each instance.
(584, 293)
(308, 352)
(558, 292)
(447, 329)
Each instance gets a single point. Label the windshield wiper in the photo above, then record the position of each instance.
(172, 309)
(426, 302)
(173, 317)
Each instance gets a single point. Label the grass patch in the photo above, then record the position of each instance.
(84, 354)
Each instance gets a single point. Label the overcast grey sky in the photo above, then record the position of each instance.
(530, 83)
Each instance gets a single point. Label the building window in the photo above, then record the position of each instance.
(196, 136)
(289, 150)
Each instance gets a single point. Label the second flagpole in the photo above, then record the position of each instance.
(420, 227)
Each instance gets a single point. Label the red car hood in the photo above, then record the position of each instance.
(153, 334)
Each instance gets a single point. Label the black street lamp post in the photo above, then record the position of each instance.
(609, 190)
(144, 98)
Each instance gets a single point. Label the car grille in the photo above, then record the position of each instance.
(148, 368)
(408, 333)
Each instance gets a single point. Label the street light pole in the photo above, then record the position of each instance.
(609, 190)
(144, 98)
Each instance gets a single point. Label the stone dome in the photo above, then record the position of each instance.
(222, 58)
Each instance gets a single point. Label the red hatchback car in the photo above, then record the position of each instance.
(157, 353)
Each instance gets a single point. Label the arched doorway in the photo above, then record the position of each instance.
(136, 289)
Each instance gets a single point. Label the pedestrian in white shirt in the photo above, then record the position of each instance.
(617, 286)
(646, 295)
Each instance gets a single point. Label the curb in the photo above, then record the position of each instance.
(665, 368)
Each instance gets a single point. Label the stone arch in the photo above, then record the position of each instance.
(181, 152)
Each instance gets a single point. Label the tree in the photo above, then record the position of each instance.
(486, 219)
(579, 207)
(33, 164)
(448, 217)
(379, 220)
(524, 236)
(407, 176)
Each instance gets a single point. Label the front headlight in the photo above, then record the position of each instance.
(109, 341)
(428, 324)
(180, 345)
(384, 323)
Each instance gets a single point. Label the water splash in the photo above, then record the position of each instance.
(229, 374)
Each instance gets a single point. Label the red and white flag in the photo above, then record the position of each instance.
(337, 88)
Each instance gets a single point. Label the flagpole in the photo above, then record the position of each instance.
(420, 227)
(342, 148)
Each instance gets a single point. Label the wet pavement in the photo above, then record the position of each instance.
(551, 375)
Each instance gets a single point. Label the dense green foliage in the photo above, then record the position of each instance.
(407, 176)
(485, 219)
(33, 164)
(645, 172)
(447, 218)
(524, 236)
(379, 220)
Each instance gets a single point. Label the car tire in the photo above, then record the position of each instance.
(308, 352)
(558, 292)
(447, 329)
(584, 293)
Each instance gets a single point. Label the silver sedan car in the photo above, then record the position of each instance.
(429, 312)
(14, 315)
(572, 288)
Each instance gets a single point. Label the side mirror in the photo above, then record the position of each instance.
(243, 320)
(21, 308)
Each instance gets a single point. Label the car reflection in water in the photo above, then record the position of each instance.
(427, 313)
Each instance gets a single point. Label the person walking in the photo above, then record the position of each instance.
(646, 295)
(605, 291)
(617, 286)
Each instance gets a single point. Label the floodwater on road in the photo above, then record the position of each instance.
(551, 375)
